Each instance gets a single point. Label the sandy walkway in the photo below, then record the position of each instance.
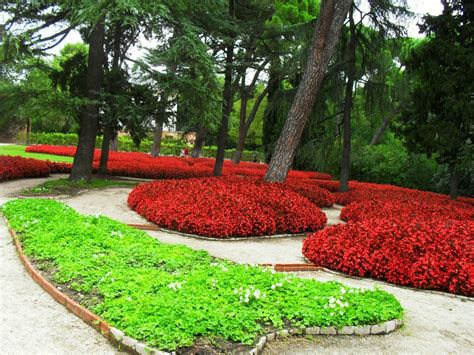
(31, 322)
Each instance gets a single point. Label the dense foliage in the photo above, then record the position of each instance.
(225, 207)
(135, 282)
(406, 237)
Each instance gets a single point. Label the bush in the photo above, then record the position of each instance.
(19, 168)
(225, 207)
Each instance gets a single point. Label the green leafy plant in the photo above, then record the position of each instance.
(170, 295)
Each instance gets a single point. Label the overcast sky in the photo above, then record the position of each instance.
(418, 7)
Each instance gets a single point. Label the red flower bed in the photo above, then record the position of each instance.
(136, 164)
(403, 236)
(225, 207)
(319, 196)
(18, 167)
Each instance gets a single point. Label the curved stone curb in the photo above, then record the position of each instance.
(125, 343)
(151, 227)
(434, 292)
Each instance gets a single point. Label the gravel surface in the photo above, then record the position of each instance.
(31, 321)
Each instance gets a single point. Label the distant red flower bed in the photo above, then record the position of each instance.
(406, 237)
(225, 207)
(142, 165)
(19, 167)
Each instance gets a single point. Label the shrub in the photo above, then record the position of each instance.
(18, 167)
(225, 207)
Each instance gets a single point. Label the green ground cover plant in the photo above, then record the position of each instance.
(67, 187)
(171, 296)
(19, 150)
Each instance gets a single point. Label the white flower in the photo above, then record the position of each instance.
(343, 290)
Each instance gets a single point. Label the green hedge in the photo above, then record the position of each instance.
(168, 147)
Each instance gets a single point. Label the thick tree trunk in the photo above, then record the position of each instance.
(82, 165)
(454, 182)
(199, 142)
(348, 103)
(226, 105)
(326, 35)
(156, 147)
(104, 155)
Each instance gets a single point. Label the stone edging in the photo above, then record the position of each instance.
(151, 227)
(123, 342)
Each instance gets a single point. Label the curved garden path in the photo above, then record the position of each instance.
(434, 323)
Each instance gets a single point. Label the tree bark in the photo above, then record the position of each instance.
(326, 35)
(156, 147)
(82, 165)
(226, 105)
(454, 181)
(199, 142)
(114, 143)
(104, 153)
(383, 127)
(348, 103)
(243, 117)
(244, 129)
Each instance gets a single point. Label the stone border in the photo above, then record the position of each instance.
(153, 227)
(123, 342)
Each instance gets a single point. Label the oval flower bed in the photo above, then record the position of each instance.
(225, 207)
(406, 237)
(170, 296)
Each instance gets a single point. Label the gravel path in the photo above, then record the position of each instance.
(434, 323)
(31, 322)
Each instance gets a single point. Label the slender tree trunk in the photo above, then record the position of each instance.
(104, 154)
(114, 143)
(348, 103)
(199, 142)
(28, 131)
(246, 126)
(383, 127)
(156, 147)
(454, 181)
(326, 35)
(243, 117)
(82, 165)
(226, 105)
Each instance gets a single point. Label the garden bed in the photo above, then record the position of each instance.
(171, 297)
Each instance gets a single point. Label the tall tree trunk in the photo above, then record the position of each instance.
(104, 153)
(156, 147)
(82, 165)
(326, 35)
(243, 131)
(348, 103)
(243, 117)
(454, 181)
(114, 143)
(226, 105)
(383, 127)
(28, 131)
(199, 142)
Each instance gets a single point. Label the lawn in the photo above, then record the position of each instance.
(19, 150)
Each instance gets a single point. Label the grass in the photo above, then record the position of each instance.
(171, 296)
(66, 187)
(19, 150)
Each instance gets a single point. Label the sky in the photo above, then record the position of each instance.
(418, 7)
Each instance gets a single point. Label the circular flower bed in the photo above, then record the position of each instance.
(225, 207)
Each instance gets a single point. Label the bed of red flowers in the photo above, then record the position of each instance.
(225, 207)
(406, 237)
(135, 164)
(19, 167)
